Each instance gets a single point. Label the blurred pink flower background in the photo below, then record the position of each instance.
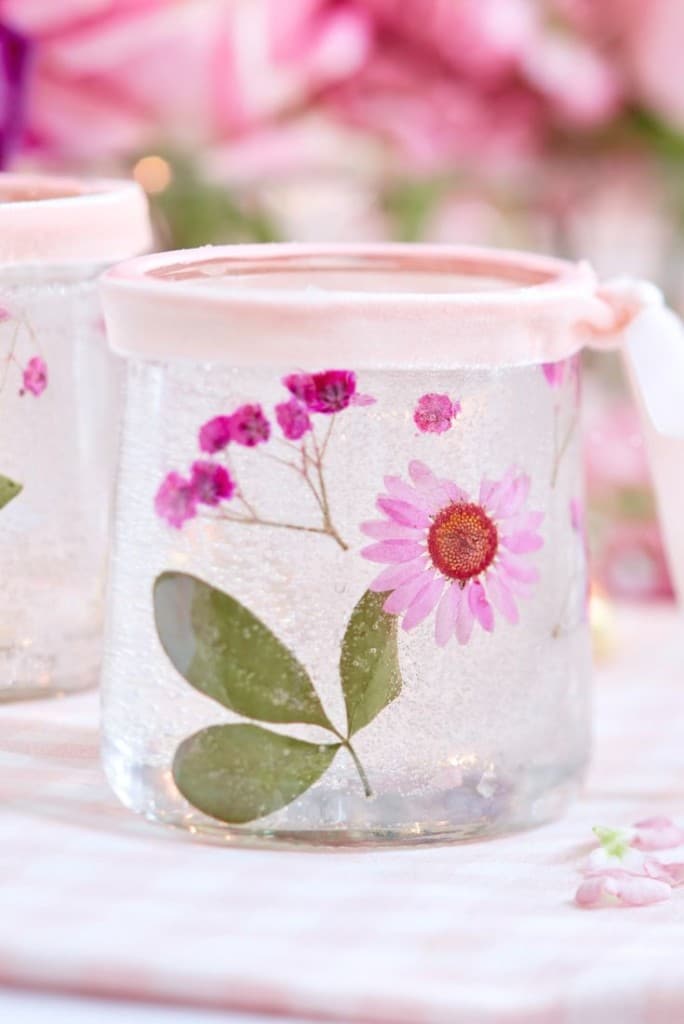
(548, 124)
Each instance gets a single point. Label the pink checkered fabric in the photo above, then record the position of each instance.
(94, 900)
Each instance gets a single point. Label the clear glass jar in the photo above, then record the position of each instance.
(59, 390)
(349, 581)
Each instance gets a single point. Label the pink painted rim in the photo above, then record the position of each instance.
(54, 220)
(153, 310)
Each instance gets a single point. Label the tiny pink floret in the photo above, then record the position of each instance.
(434, 413)
(214, 435)
(35, 377)
(211, 483)
(293, 419)
(249, 426)
(176, 500)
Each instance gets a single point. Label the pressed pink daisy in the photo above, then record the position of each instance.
(448, 553)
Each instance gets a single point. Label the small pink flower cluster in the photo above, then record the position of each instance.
(625, 869)
(34, 377)
(434, 414)
(178, 498)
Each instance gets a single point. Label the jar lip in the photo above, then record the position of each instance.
(200, 304)
(48, 219)
(193, 273)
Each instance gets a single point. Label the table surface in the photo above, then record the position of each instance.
(149, 925)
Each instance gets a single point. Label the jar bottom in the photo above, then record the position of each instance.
(27, 673)
(449, 815)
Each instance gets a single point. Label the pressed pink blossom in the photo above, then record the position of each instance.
(554, 373)
(35, 376)
(293, 419)
(452, 555)
(249, 426)
(214, 435)
(327, 392)
(211, 483)
(434, 414)
(176, 500)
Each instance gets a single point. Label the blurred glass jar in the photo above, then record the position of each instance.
(59, 395)
(349, 580)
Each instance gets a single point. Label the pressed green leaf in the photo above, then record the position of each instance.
(369, 661)
(237, 773)
(224, 651)
(9, 489)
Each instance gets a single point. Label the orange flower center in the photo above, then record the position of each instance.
(462, 541)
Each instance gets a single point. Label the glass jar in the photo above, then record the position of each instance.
(349, 580)
(59, 387)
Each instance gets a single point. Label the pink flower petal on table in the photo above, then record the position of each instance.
(480, 606)
(674, 873)
(465, 620)
(518, 570)
(403, 512)
(494, 490)
(423, 604)
(620, 889)
(524, 522)
(445, 620)
(657, 833)
(502, 598)
(487, 489)
(395, 575)
(522, 543)
(429, 485)
(384, 530)
(402, 598)
(393, 551)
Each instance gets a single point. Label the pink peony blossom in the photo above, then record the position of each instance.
(176, 500)
(327, 392)
(214, 435)
(434, 413)
(249, 426)
(35, 377)
(451, 555)
(293, 419)
(211, 483)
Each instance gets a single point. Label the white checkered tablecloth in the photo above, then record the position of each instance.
(94, 901)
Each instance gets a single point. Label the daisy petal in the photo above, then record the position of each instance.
(423, 604)
(523, 543)
(382, 530)
(502, 598)
(403, 512)
(453, 491)
(517, 569)
(465, 620)
(398, 488)
(393, 551)
(480, 606)
(486, 489)
(403, 596)
(445, 620)
(395, 575)
(514, 497)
